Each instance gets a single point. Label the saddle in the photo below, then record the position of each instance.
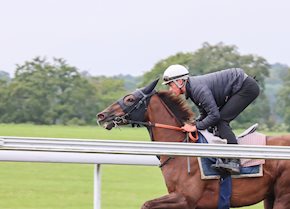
(250, 167)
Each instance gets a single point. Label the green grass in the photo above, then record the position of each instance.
(83, 132)
(54, 186)
(51, 186)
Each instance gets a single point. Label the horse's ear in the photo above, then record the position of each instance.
(148, 89)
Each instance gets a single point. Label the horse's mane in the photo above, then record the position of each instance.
(177, 105)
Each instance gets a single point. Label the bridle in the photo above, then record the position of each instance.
(142, 100)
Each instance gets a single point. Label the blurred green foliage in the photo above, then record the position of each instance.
(43, 92)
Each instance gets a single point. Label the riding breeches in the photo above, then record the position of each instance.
(234, 106)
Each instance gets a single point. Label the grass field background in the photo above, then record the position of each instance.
(70, 186)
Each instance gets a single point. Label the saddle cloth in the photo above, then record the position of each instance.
(250, 167)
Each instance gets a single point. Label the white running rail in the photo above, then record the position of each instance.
(55, 150)
(144, 148)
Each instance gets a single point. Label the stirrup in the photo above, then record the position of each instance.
(231, 166)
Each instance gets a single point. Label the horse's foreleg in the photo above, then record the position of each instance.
(269, 202)
(170, 201)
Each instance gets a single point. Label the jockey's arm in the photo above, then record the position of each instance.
(202, 114)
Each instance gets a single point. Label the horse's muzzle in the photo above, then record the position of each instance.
(108, 125)
(104, 120)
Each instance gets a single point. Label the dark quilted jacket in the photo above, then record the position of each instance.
(211, 91)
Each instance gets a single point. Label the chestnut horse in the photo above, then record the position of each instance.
(188, 191)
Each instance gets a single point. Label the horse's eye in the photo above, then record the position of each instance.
(129, 100)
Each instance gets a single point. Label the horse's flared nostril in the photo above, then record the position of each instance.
(101, 116)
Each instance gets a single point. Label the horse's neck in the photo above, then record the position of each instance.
(158, 113)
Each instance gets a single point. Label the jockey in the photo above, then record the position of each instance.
(220, 97)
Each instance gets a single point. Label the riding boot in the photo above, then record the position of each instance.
(230, 165)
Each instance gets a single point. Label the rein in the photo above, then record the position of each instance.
(189, 137)
(160, 125)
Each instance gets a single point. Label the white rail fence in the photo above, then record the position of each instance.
(55, 150)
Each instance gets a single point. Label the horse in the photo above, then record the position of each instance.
(188, 190)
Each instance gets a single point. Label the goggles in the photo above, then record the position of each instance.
(168, 79)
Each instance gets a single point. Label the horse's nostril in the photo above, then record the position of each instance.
(100, 116)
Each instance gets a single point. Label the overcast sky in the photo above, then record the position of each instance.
(109, 37)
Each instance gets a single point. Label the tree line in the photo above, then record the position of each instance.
(43, 92)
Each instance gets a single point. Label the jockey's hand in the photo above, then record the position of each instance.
(188, 128)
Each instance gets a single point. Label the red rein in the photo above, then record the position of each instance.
(192, 138)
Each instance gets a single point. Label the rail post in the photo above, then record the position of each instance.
(97, 186)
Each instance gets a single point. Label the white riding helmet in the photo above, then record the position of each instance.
(175, 72)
